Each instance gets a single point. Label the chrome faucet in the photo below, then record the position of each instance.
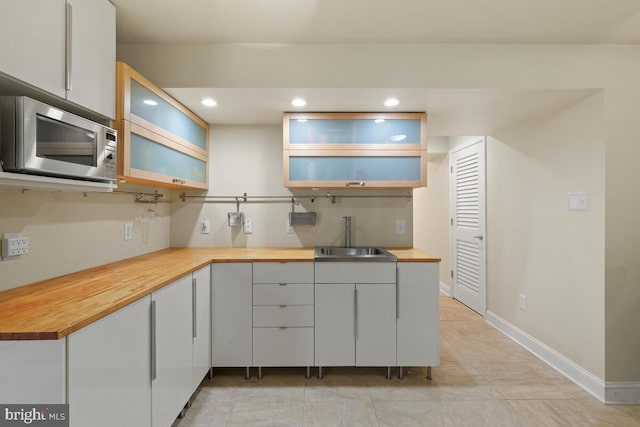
(347, 231)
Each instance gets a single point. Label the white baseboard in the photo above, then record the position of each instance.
(445, 289)
(610, 393)
(622, 393)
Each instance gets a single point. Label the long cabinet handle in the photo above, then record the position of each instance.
(153, 340)
(194, 283)
(397, 293)
(69, 46)
(355, 314)
(354, 183)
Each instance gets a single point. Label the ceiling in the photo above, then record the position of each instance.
(451, 111)
(379, 21)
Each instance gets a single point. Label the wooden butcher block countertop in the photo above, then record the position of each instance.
(54, 308)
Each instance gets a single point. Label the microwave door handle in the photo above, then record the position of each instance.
(69, 47)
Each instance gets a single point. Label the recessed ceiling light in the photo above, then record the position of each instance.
(379, 120)
(391, 102)
(298, 102)
(398, 138)
(150, 102)
(209, 102)
(302, 120)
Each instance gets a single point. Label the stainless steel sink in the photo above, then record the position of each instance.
(359, 253)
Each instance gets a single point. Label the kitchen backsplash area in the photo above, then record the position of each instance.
(248, 159)
(70, 231)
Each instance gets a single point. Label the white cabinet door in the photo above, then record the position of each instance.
(375, 324)
(33, 371)
(334, 324)
(109, 370)
(33, 43)
(201, 324)
(231, 311)
(418, 314)
(93, 55)
(173, 356)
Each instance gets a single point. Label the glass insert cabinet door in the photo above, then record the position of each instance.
(396, 131)
(397, 169)
(152, 158)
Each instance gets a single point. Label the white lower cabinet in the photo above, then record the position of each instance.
(355, 324)
(355, 314)
(283, 314)
(201, 324)
(33, 371)
(109, 370)
(231, 343)
(418, 314)
(172, 351)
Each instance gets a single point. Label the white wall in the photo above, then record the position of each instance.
(70, 232)
(431, 207)
(538, 248)
(248, 159)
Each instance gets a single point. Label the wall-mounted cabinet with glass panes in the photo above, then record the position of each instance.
(162, 143)
(355, 150)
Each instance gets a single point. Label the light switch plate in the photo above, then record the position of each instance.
(205, 226)
(401, 226)
(578, 202)
(128, 231)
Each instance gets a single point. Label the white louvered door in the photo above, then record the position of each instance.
(468, 226)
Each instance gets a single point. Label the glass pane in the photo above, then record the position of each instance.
(156, 110)
(354, 168)
(65, 142)
(360, 131)
(153, 157)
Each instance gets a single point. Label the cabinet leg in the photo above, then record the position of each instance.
(320, 372)
(210, 373)
(429, 373)
(247, 374)
(400, 376)
(388, 372)
(308, 372)
(259, 372)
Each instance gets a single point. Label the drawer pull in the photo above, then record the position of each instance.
(283, 306)
(283, 284)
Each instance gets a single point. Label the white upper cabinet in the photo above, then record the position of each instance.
(33, 47)
(354, 150)
(92, 61)
(66, 48)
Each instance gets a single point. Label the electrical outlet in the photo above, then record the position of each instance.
(128, 231)
(522, 301)
(247, 228)
(401, 227)
(205, 226)
(14, 245)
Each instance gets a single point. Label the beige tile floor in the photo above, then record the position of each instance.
(484, 379)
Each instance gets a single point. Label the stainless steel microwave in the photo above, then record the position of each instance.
(36, 138)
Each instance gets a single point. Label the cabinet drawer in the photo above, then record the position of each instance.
(282, 272)
(355, 272)
(283, 294)
(284, 315)
(283, 347)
